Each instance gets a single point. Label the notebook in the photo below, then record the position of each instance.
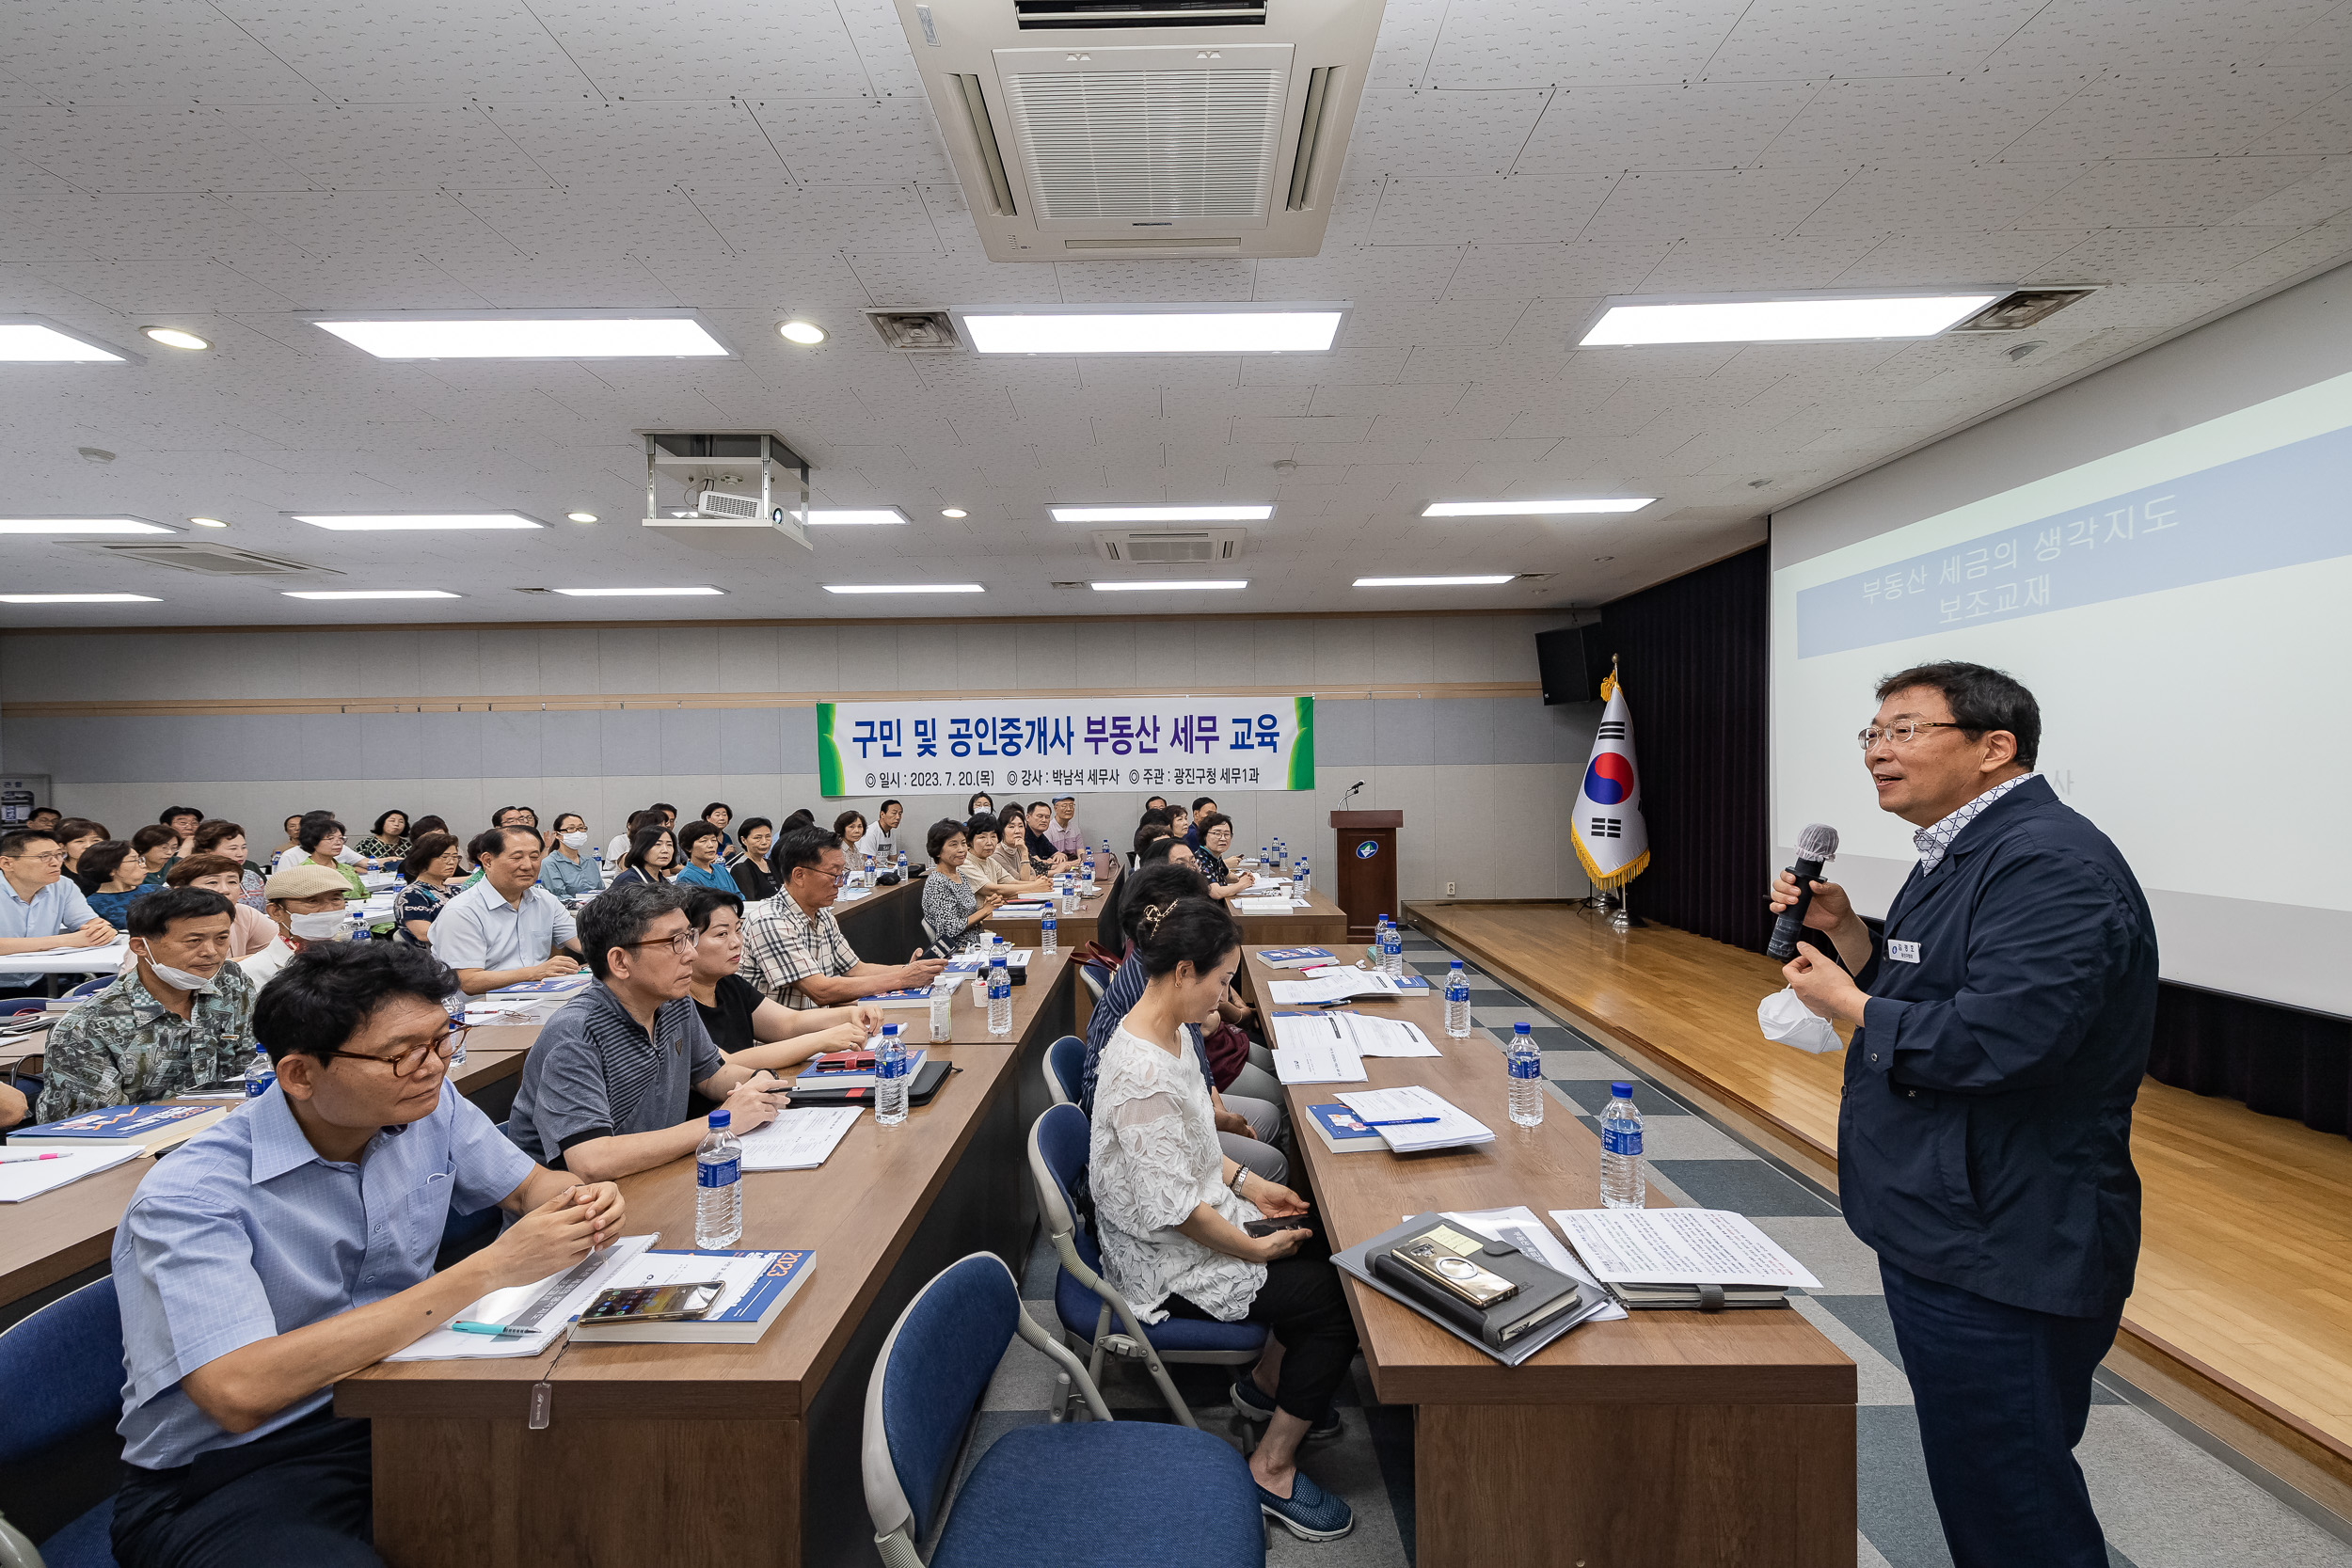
(1293, 957)
(851, 1070)
(25, 1179)
(927, 1083)
(1342, 1130)
(1545, 1305)
(152, 1127)
(1414, 1121)
(759, 1285)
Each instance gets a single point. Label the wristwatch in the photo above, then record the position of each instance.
(1240, 1173)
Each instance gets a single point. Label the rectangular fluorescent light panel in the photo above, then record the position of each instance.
(1782, 321)
(904, 587)
(1155, 332)
(79, 599)
(856, 517)
(31, 343)
(369, 522)
(523, 337)
(634, 593)
(1608, 505)
(1434, 582)
(367, 593)
(81, 525)
(1163, 587)
(1161, 513)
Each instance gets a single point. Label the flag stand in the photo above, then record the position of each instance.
(1625, 919)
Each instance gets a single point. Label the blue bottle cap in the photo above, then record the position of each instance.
(1621, 1091)
(1520, 1028)
(890, 1031)
(1456, 964)
(721, 1119)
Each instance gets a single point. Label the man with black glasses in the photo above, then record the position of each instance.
(293, 1244)
(793, 949)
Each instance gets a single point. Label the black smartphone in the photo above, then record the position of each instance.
(1267, 1227)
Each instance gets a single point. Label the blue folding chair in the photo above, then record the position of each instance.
(1062, 1493)
(90, 988)
(62, 1367)
(1085, 1301)
(16, 1004)
(1065, 1065)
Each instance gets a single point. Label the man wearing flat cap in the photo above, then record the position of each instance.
(306, 901)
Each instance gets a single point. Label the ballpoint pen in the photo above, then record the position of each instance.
(496, 1330)
(9, 1159)
(1403, 1121)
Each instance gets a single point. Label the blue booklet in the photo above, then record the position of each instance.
(1342, 1130)
(1292, 958)
(115, 1121)
(812, 1077)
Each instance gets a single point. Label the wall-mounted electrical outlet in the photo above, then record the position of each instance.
(1449, 890)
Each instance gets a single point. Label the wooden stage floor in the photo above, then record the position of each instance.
(2244, 1285)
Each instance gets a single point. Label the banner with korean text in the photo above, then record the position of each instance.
(1209, 744)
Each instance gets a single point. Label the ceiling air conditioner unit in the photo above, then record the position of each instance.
(1168, 547)
(213, 560)
(1109, 130)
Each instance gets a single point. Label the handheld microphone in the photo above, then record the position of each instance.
(1816, 847)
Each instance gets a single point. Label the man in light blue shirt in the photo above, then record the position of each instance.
(39, 908)
(503, 930)
(293, 1244)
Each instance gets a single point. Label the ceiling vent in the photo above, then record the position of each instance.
(1186, 128)
(212, 561)
(1168, 547)
(905, 331)
(2022, 308)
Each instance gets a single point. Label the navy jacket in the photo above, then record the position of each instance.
(1984, 1135)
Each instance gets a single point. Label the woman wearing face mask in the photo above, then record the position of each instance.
(567, 872)
(431, 867)
(306, 901)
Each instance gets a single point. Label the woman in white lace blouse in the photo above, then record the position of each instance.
(1171, 1210)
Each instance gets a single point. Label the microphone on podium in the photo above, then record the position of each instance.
(1816, 845)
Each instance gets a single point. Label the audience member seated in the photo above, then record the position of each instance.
(257, 1266)
(605, 1089)
(75, 834)
(251, 930)
(747, 1026)
(39, 909)
(952, 907)
(424, 825)
(665, 811)
(293, 826)
(176, 1023)
(47, 820)
(320, 842)
(156, 848)
(981, 869)
(219, 837)
(1208, 853)
(703, 843)
(881, 838)
(1155, 802)
(1012, 859)
(505, 929)
(306, 904)
(1064, 833)
(754, 878)
(1249, 1126)
(719, 816)
(182, 821)
(849, 828)
(110, 877)
(793, 949)
(651, 861)
(794, 823)
(389, 839)
(1204, 806)
(431, 868)
(568, 872)
(979, 803)
(1169, 1206)
(617, 851)
(1038, 823)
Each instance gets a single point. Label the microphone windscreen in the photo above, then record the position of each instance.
(1818, 841)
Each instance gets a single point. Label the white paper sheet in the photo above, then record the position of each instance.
(1315, 1061)
(1341, 985)
(448, 1344)
(1678, 1247)
(1402, 1108)
(1361, 1032)
(1519, 1226)
(21, 1178)
(798, 1140)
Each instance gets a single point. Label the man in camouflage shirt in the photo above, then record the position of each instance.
(179, 1020)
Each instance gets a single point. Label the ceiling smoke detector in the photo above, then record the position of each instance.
(916, 331)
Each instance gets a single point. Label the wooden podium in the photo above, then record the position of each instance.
(1366, 881)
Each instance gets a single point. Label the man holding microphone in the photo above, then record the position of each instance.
(2002, 1025)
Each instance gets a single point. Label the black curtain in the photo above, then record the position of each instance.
(2280, 1061)
(1693, 654)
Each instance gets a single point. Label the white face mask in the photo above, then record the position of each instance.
(178, 979)
(318, 926)
(573, 841)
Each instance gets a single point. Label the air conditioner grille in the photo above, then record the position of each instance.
(210, 559)
(1168, 547)
(1158, 144)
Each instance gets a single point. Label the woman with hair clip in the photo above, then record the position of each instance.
(1171, 1209)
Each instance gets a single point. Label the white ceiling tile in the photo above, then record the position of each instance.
(1926, 198)
(143, 150)
(2211, 113)
(1717, 265)
(358, 283)
(2186, 190)
(387, 146)
(1923, 119)
(1441, 133)
(190, 284)
(1907, 259)
(1466, 324)
(153, 54)
(2161, 255)
(1343, 367)
(559, 281)
(1409, 31)
(822, 290)
(700, 49)
(777, 220)
(1860, 37)
(1389, 272)
(412, 51)
(860, 141)
(640, 146)
(1160, 370)
(881, 44)
(1491, 207)
(1137, 282)
(1574, 269)
(2324, 127)
(1756, 203)
(1406, 397)
(965, 280)
(1677, 125)
(1496, 44)
(363, 225)
(2159, 36)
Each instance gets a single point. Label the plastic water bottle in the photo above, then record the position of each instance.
(890, 1078)
(942, 1009)
(717, 1186)
(999, 996)
(1458, 1022)
(259, 1074)
(1621, 1182)
(1527, 1078)
(902, 867)
(1393, 951)
(1305, 877)
(1048, 940)
(868, 880)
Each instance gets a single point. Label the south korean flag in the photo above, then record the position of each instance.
(1612, 839)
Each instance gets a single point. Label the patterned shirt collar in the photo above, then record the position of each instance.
(1934, 841)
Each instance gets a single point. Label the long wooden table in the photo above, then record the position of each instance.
(1321, 921)
(733, 1453)
(1674, 1439)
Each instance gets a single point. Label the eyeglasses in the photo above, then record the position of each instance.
(1903, 734)
(411, 1061)
(681, 944)
(54, 857)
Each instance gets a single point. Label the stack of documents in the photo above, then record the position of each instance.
(1300, 1057)
(1361, 1032)
(972, 960)
(755, 1287)
(1345, 985)
(1682, 1257)
(798, 1140)
(30, 1173)
(524, 1320)
(1413, 1119)
(1294, 958)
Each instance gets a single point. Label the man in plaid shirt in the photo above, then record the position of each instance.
(793, 949)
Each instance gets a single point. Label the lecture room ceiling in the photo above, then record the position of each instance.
(231, 167)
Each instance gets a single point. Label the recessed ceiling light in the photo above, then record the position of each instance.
(1435, 582)
(1161, 513)
(1807, 318)
(79, 599)
(504, 334)
(30, 341)
(634, 593)
(1286, 330)
(366, 522)
(208, 522)
(808, 334)
(367, 593)
(1536, 509)
(582, 516)
(868, 516)
(1163, 587)
(172, 337)
(953, 512)
(81, 525)
(904, 587)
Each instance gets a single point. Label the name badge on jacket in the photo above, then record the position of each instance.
(1903, 952)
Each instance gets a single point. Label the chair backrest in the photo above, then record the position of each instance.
(15, 1004)
(1092, 982)
(1058, 1150)
(91, 988)
(927, 1383)
(1065, 1064)
(62, 1367)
